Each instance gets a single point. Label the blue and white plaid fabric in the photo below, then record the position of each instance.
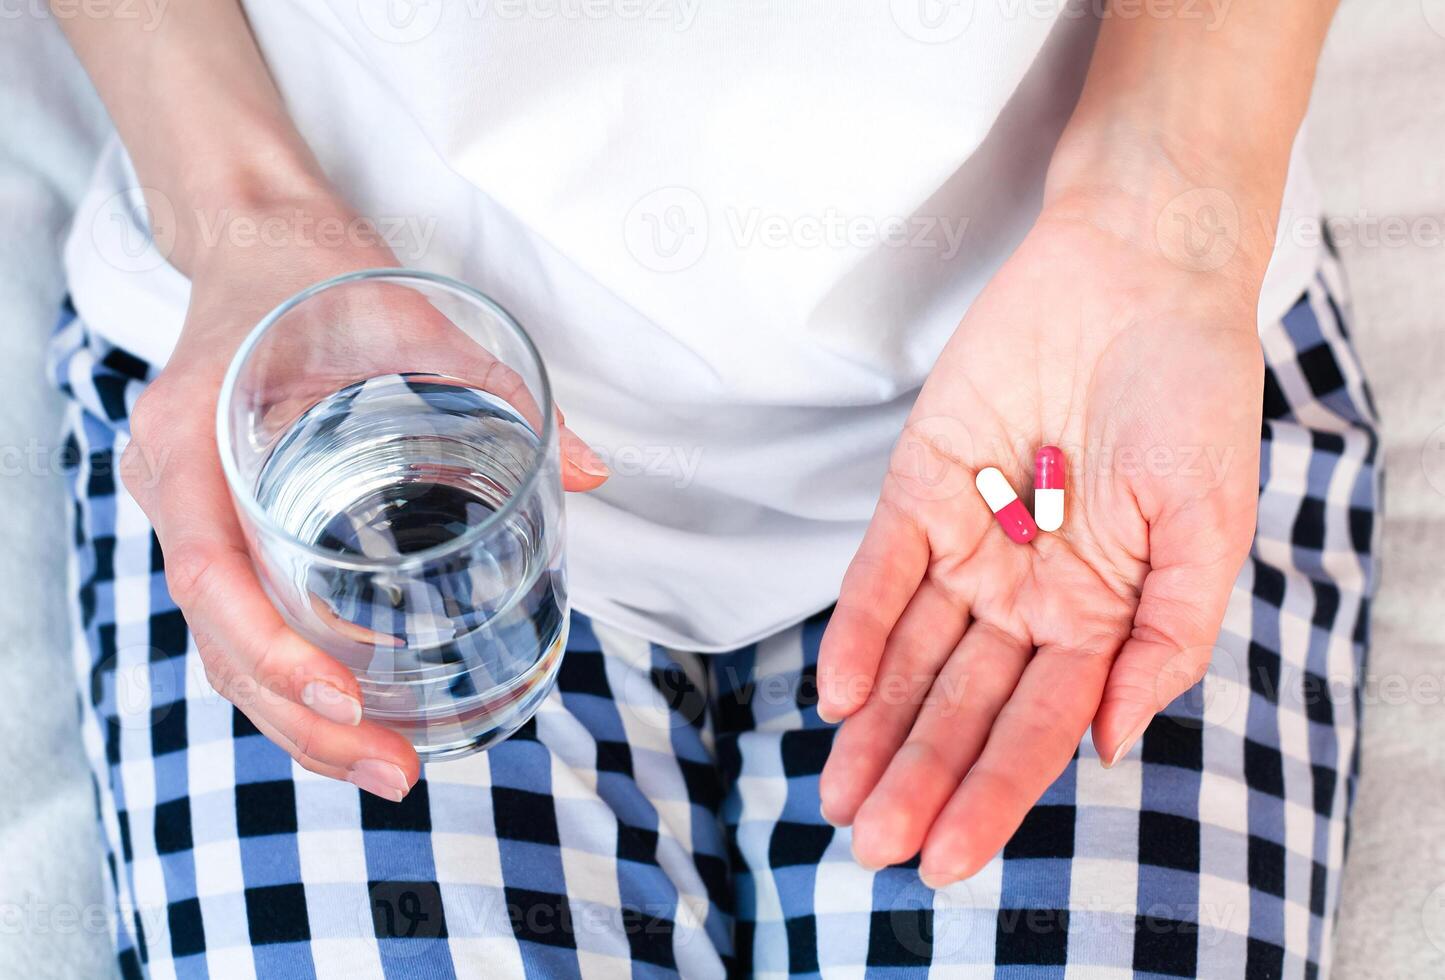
(659, 816)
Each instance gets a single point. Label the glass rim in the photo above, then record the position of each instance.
(245, 497)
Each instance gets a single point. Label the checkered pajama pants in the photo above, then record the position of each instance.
(659, 816)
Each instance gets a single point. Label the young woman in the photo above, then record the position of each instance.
(775, 260)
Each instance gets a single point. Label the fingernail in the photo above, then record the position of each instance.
(379, 778)
(1127, 744)
(331, 703)
(586, 460)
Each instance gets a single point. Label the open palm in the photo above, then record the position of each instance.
(969, 667)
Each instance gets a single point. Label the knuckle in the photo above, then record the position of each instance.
(264, 667)
(133, 468)
(924, 755)
(220, 672)
(148, 415)
(1100, 646)
(502, 381)
(213, 661)
(1006, 787)
(225, 676)
(278, 668)
(189, 572)
(304, 734)
(218, 679)
(227, 682)
(1043, 728)
(153, 421)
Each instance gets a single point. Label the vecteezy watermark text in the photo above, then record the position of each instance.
(408, 21)
(147, 12)
(400, 233)
(831, 228)
(941, 21)
(136, 230)
(669, 230)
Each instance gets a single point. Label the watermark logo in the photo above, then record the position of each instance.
(667, 230)
(932, 21)
(931, 460)
(134, 230)
(661, 697)
(400, 21)
(1202, 686)
(403, 910)
(1432, 918)
(935, 924)
(144, 683)
(1434, 13)
(1199, 230)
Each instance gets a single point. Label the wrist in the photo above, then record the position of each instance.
(1207, 206)
(240, 194)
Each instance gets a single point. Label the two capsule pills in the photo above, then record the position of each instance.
(1009, 510)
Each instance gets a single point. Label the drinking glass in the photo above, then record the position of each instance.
(391, 445)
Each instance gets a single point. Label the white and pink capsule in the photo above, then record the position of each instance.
(1010, 512)
(1007, 508)
(1049, 488)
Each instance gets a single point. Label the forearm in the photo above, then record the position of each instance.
(198, 112)
(1175, 103)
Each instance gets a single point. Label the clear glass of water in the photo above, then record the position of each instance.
(391, 444)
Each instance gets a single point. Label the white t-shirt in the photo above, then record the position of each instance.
(740, 235)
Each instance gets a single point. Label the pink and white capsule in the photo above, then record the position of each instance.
(1007, 508)
(1049, 488)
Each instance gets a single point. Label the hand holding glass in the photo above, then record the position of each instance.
(390, 441)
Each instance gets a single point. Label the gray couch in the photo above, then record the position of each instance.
(1377, 141)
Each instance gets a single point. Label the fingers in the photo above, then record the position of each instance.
(278, 678)
(215, 586)
(1167, 653)
(370, 757)
(251, 656)
(946, 739)
(304, 761)
(1030, 744)
(407, 333)
(925, 636)
(582, 469)
(320, 747)
(880, 581)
